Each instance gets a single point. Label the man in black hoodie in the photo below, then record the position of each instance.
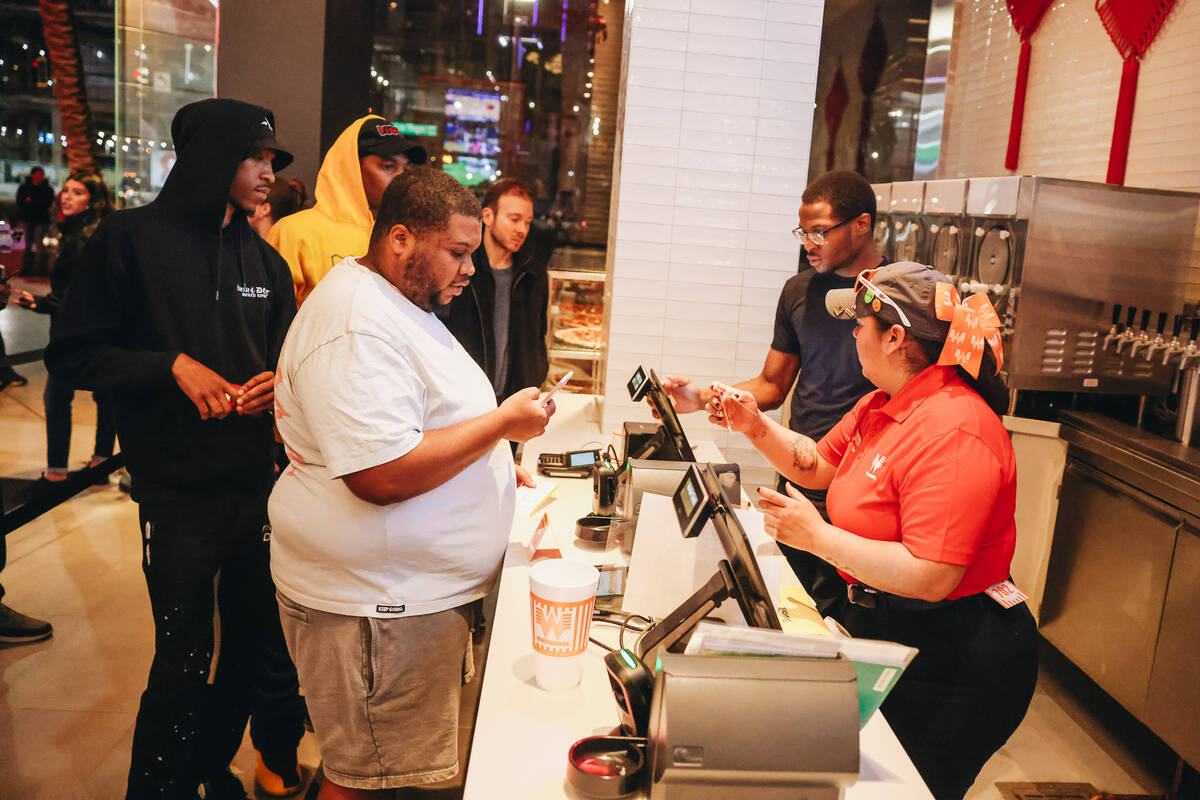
(180, 310)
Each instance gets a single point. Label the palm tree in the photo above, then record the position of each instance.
(67, 68)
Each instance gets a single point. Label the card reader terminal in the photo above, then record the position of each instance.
(571, 464)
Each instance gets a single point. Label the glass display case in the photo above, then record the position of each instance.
(575, 332)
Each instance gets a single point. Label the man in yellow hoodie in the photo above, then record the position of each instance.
(356, 170)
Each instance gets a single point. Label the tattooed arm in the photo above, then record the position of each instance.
(793, 454)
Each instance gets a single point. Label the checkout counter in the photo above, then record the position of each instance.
(522, 733)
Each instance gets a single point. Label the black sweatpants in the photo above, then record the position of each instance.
(187, 731)
(966, 691)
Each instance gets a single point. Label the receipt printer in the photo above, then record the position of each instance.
(753, 727)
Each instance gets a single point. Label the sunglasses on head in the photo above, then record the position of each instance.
(863, 284)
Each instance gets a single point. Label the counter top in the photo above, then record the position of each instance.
(1168, 452)
(1162, 468)
(522, 733)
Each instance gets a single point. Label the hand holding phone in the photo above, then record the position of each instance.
(561, 383)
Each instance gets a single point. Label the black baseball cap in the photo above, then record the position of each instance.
(378, 137)
(266, 141)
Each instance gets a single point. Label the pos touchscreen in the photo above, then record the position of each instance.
(671, 443)
(698, 499)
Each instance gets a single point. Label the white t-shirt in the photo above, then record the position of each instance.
(363, 374)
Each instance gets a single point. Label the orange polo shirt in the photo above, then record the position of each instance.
(932, 468)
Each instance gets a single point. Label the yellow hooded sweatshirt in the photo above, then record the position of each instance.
(339, 223)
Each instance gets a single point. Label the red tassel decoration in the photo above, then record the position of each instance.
(1132, 26)
(1026, 16)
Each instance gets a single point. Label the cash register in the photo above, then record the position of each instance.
(656, 458)
(713, 727)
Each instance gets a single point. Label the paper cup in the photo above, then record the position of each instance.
(562, 595)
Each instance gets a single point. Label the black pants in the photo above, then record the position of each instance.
(6, 370)
(818, 577)
(3, 559)
(966, 691)
(33, 262)
(187, 731)
(57, 400)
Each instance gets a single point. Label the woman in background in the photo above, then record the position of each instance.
(84, 201)
(286, 197)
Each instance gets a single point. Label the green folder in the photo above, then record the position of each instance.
(878, 666)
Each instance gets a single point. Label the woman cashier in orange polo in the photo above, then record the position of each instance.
(922, 485)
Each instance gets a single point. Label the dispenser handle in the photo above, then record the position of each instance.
(1195, 327)
(1129, 317)
(1116, 314)
(1145, 326)
(1162, 322)
(1178, 326)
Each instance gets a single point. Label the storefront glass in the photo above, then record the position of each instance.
(869, 89)
(508, 88)
(166, 59)
(30, 123)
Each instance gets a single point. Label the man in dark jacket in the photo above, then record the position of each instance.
(35, 196)
(500, 319)
(180, 310)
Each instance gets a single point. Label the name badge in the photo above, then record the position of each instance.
(1006, 594)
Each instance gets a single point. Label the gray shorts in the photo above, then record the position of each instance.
(383, 694)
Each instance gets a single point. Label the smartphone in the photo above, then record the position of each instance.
(610, 594)
(612, 580)
(561, 383)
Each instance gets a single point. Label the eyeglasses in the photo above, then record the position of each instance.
(818, 237)
(863, 283)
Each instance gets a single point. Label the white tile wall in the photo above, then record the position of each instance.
(1071, 100)
(717, 124)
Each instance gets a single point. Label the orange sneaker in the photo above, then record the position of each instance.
(274, 784)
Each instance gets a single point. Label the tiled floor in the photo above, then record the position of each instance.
(67, 705)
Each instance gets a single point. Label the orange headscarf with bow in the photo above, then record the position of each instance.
(973, 322)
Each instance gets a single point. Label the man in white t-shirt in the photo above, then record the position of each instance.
(395, 513)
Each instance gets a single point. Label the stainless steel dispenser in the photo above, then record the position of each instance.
(1062, 262)
(909, 233)
(883, 218)
(944, 215)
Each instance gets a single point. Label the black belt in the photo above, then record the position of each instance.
(862, 595)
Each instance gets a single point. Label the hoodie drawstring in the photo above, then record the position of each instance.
(220, 247)
(241, 234)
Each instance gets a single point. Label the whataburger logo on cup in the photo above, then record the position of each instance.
(561, 629)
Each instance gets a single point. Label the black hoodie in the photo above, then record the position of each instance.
(166, 279)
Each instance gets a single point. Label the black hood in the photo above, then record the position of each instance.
(212, 137)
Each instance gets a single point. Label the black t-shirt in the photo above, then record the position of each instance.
(501, 310)
(831, 379)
